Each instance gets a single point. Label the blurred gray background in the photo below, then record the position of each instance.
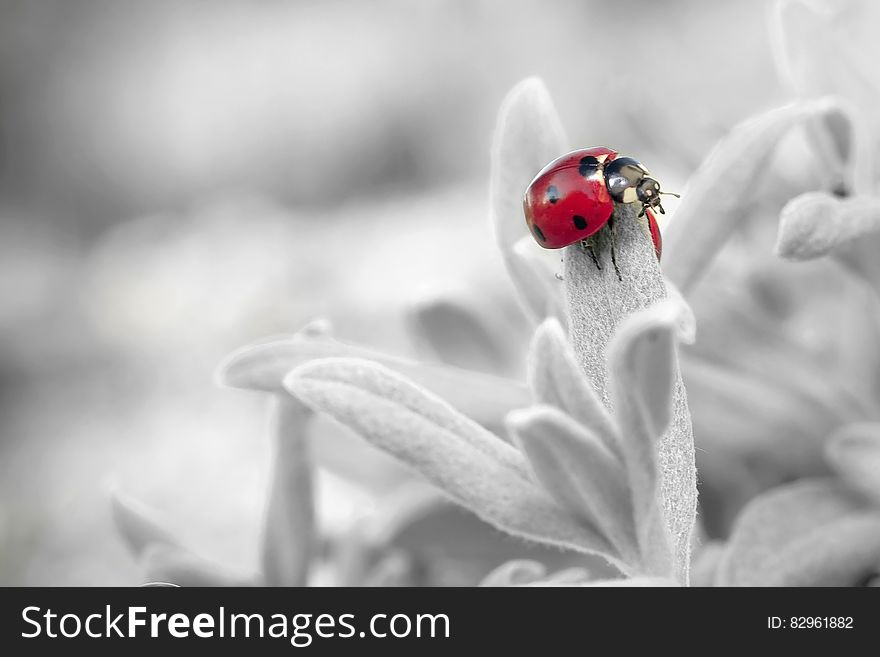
(180, 178)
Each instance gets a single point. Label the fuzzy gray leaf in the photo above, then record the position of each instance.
(288, 530)
(580, 471)
(597, 303)
(557, 380)
(642, 364)
(473, 466)
(809, 533)
(713, 203)
(262, 366)
(815, 224)
(642, 370)
(854, 453)
(528, 135)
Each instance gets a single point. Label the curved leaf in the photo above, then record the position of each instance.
(642, 365)
(809, 533)
(642, 370)
(579, 470)
(262, 366)
(473, 466)
(714, 202)
(557, 380)
(814, 224)
(528, 135)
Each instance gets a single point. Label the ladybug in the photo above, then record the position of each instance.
(573, 198)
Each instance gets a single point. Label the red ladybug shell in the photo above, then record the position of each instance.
(654, 229)
(568, 200)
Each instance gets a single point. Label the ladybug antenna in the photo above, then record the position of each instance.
(672, 194)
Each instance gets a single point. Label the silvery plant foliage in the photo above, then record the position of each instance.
(713, 420)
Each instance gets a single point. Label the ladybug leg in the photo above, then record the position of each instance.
(614, 262)
(588, 247)
(614, 249)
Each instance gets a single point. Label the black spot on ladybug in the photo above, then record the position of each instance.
(552, 194)
(588, 165)
(538, 233)
(579, 222)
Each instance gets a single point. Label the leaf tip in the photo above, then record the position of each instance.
(807, 226)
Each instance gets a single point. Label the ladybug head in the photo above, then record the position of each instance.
(628, 181)
(648, 193)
